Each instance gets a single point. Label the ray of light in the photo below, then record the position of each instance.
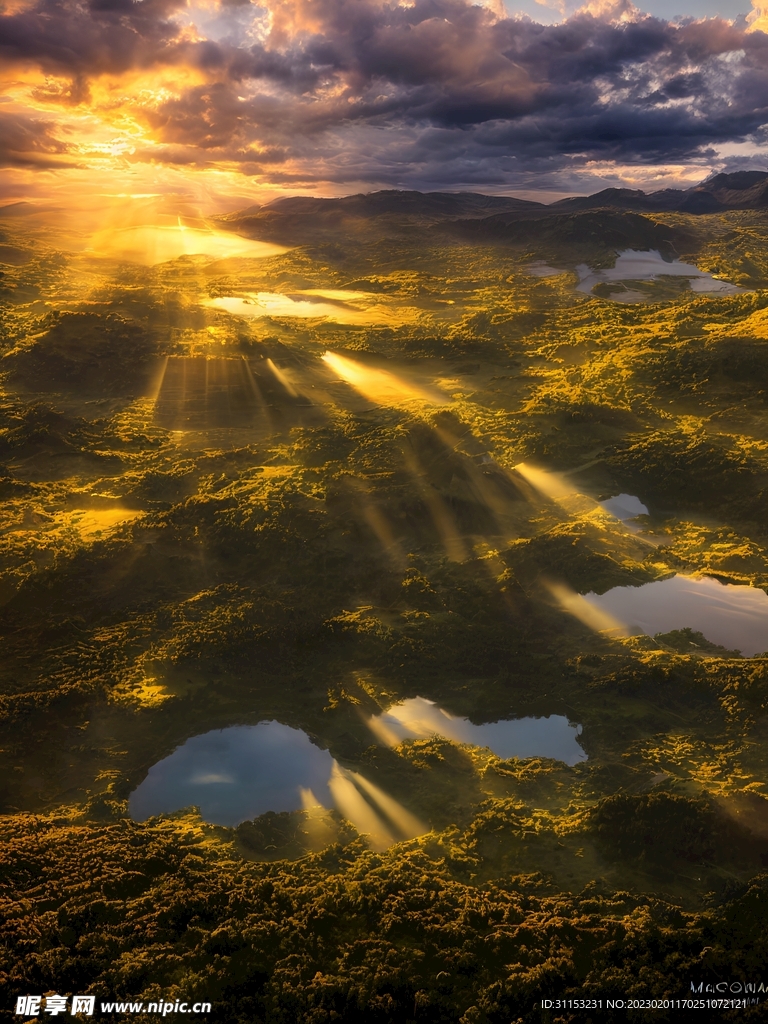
(381, 386)
(551, 484)
(256, 391)
(156, 384)
(384, 733)
(377, 521)
(595, 618)
(282, 376)
(207, 390)
(309, 801)
(557, 487)
(419, 719)
(483, 490)
(356, 809)
(318, 824)
(455, 548)
(407, 824)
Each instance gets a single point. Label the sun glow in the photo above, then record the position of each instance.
(157, 243)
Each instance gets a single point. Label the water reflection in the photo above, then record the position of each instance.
(340, 307)
(418, 718)
(158, 243)
(235, 774)
(732, 616)
(624, 506)
(633, 265)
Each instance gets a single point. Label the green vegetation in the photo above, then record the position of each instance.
(188, 542)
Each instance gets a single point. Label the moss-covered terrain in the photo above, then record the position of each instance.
(202, 526)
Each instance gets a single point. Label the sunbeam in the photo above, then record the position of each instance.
(595, 618)
(381, 386)
(318, 824)
(282, 376)
(376, 520)
(156, 385)
(443, 521)
(356, 809)
(407, 824)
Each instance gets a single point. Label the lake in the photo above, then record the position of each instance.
(418, 718)
(624, 506)
(733, 616)
(158, 243)
(336, 305)
(239, 773)
(634, 265)
(236, 774)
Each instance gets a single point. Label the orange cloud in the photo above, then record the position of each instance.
(359, 91)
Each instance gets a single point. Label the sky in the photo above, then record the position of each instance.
(229, 102)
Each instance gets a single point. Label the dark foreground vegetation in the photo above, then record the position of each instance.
(166, 912)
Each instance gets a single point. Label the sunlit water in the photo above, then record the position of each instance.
(235, 774)
(239, 773)
(150, 244)
(633, 265)
(418, 718)
(341, 307)
(732, 616)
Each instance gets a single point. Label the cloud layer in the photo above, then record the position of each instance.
(432, 92)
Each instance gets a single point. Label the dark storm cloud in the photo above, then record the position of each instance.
(27, 142)
(358, 85)
(75, 39)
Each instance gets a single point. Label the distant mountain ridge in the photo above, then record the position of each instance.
(591, 227)
(301, 220)
(741, 190)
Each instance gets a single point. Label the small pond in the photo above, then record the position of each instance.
(240, 773)
(733, 616)
(633, 265)
(624, 506)
(338, 306)
(418, 718)
(157, 243)
(237, 773)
